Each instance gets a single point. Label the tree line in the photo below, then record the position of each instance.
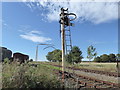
(106, 58)
(75, 55)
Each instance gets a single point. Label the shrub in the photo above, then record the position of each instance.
(31, 60)
(24, 76)
(6, 60)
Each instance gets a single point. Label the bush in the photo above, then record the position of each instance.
(31, 60)
(24, 76)
(6, 60)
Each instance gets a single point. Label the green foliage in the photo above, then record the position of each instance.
(25, 76)
(91, 52)
(54, 56)
(106, 58)
(69, 58)
(118, 55)
(49, 56)
(112, 57)
(97, 59)
(75, 55)
(6, 60)
(57, 55)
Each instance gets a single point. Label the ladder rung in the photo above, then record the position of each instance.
(67, 35)
(68, 45)
(67, 30)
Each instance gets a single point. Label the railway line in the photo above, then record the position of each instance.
(84, 78)
(114, 74)
(79, 81)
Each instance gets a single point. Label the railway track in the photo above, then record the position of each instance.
(114, 74)
(85, 82)
(77, 80)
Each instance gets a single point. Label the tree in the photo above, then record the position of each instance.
(91, 52)
(54, 56)
(69, 58)
(49, 56)
(112, 58)
(97, 59)
(105, 58)
(57, 55)
(118, 55)
(75, 55)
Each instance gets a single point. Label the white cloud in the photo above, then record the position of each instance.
(95, 12)
(35, 36)
(35, 32)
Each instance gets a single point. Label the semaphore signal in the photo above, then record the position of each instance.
(66, 42)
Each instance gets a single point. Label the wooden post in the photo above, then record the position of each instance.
(63, 42)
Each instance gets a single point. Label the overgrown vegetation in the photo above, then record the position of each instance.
(26, 76)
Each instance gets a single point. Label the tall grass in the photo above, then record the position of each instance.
(25, 76)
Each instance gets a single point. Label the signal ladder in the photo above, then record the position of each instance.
(68, 41)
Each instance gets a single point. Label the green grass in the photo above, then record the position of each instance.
(25, 76)
(52, 67)
(109, 67)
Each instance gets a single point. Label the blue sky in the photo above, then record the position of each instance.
(27, 24)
